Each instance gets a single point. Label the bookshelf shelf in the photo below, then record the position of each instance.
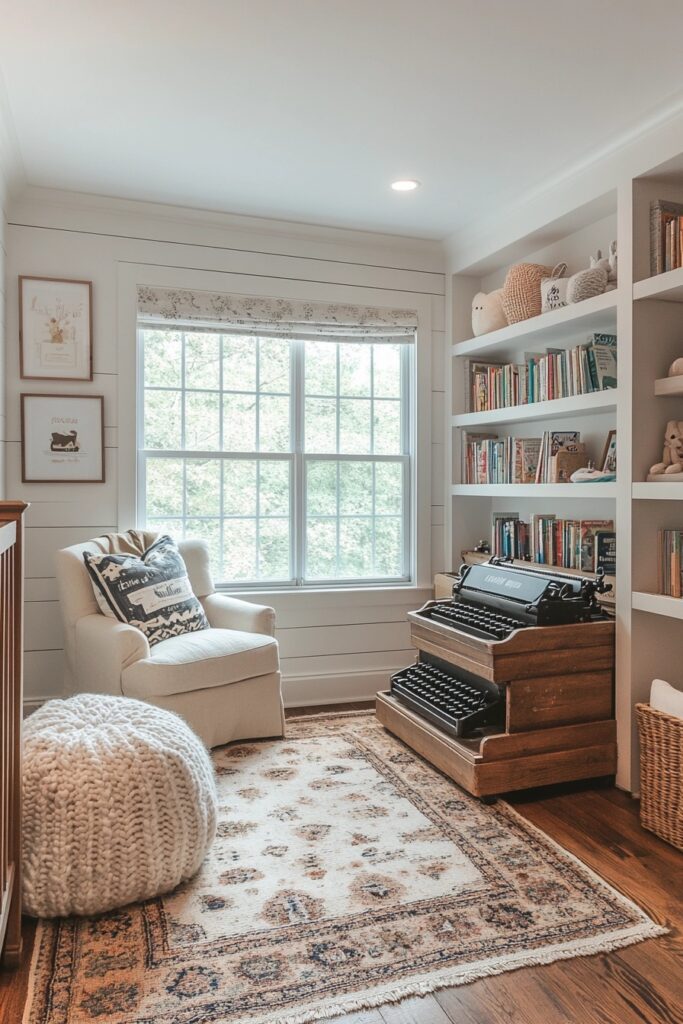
(657, 604)
(568, 324)
(667, 287)
(576, 405)
(536, 491)
(658, 492)
(669, 385)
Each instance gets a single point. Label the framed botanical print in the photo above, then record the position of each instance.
(62, 439)
(55, 329)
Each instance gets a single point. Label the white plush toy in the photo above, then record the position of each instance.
(601, 276)
(487, 312)
(672, 458)
(676, 368)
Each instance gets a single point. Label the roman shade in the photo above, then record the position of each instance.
(273, 317)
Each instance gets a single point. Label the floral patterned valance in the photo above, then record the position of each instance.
(246, 314)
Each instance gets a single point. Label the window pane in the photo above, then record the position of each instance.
(162, 420)
(274, 425)
(164, 487)
(202, 421)
(355, 369)
(202, 366)
(239, 549)
(321, 425)
(321, 488)
(274, 365)
(274, 549)
(321, 368)
(171, 527)
(162, 358)
(388, 488)
(387, 375)
(354, 426)
(388, 547)
(387, 428)
(210, 531)
(203, 483)
(239, 487)
(239, 363)
(321, 549)
(274, 488)
(239, 423)
(355, 488)
(355, 548)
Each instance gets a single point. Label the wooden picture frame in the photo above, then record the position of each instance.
(59, 456)
(609, 454)
(55, 329)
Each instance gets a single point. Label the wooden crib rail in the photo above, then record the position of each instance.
(11, 699)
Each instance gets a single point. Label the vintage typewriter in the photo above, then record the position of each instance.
(456, 701)
(493, 599)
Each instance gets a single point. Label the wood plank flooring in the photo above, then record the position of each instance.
(642, 984)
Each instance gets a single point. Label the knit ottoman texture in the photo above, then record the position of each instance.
(119, 804)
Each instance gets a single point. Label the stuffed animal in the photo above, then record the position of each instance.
(487, 312)
(601, 276)
(676, 368)
(672, 458)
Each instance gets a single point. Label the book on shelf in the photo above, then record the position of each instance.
(552, 442)
(584, 545)
(666, 236)
(489, 459)
(543, 376)
(669, 546)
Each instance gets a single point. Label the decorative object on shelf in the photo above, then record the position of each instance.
(487, 312)
(609, 455)
(522, 291)
(554, 289)
(672, 456)
(676, 368)
(62, 439)
(566, 461)
(601, 276)
(590, 475)
(666, 227)
(483, 547)
(55, 329)
(661, 770)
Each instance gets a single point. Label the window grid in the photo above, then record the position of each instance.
(297, 458)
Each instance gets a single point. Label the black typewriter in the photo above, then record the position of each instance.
(493, 599)
(456, 701)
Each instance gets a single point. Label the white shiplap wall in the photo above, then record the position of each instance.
(335, 646)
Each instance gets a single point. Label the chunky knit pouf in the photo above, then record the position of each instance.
(119, 804)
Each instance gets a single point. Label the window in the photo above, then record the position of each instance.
(290, 458)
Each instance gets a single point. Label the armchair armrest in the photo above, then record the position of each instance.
(225, 612)
(104, 648)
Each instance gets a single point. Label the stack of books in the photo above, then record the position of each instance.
(542, 377)
(489, 459)
(583, 544)
(669, 544)
(666, 236)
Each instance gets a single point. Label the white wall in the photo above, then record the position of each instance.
(334, 646)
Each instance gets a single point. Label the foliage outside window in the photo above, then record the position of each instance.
(290, 458)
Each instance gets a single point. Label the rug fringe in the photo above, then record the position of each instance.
(454, 979)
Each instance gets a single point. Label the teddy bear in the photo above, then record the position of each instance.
(672, 458)
(487, 312)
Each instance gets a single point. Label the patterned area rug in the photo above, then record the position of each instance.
(346, 873)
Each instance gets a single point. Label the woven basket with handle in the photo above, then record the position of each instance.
(661, 773)
(522, 291)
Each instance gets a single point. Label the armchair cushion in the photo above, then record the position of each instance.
(152, 592)
(198, 661)
(226, 612)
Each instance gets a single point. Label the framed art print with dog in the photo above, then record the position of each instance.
(62, 439)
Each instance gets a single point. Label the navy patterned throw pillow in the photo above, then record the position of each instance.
(152, 592)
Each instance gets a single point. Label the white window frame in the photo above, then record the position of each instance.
(298, 460)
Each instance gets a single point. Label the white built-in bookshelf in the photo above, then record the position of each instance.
(646, 314)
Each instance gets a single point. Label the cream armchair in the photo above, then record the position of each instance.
(224, 681)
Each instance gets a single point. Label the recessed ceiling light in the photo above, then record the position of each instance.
(405, 185)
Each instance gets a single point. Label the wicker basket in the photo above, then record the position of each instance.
(661, 774)
(522, 291)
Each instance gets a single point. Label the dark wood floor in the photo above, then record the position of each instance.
(643, 983)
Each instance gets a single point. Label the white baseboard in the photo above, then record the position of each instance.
(331, 688)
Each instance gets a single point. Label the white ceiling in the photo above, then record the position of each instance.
(307, 109)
